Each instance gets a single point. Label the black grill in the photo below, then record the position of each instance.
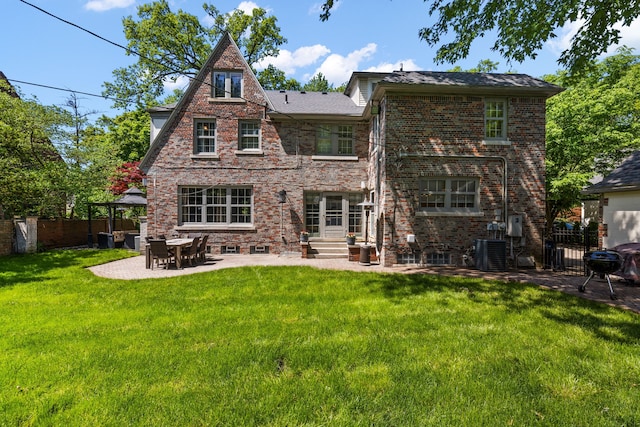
(602, 263)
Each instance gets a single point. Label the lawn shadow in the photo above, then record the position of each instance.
(597, 318)
(24, 268)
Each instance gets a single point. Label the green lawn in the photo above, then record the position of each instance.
(291, 346)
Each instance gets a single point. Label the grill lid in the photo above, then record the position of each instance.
(603, 262)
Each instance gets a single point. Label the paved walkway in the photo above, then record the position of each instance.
(628, 296)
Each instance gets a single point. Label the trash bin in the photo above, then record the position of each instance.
(105, 241)
(365, 254)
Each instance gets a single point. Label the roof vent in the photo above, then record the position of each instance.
(282, 91)
(302, 92)
(324, 93)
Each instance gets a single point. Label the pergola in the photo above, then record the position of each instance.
(131, 198)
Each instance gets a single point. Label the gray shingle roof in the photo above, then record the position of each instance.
(493, 80)
(297, 102)
(623, 178)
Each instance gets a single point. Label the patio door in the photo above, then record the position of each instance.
(333, 215)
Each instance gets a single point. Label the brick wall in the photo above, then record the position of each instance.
(284, 163)
(435, 134)
(6, 237)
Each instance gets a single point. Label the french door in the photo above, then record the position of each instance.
(333, 215)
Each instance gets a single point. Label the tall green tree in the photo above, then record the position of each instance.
(318, 83)
(272, 78)
(128, 134)
(521, 27)
(591, 127)
(34, 173)
(170, 45)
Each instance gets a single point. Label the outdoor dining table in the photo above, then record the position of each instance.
(177, 244)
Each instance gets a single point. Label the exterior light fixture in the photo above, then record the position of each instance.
(282, 196)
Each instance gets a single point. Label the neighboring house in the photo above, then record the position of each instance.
(442, 157)
(619, 207)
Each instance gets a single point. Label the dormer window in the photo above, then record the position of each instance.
(227, 84)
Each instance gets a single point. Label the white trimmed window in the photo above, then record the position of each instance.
(495, 119)
(249, 137)
(335, 140)
(205, 136)
(227, 84)
(455, 194)
(216, 205)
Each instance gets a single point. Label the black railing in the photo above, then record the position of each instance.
(564, 250)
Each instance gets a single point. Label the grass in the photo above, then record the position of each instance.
(291, 346)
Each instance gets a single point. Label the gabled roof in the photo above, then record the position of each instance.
(312, 103)
(436, 81)
(201, 78)
(625, 177)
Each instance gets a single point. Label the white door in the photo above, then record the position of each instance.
(334, 215)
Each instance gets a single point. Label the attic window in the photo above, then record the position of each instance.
(227, 84)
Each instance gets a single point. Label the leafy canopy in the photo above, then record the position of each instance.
(591, 127)
(34, 174)
(170, 45)
(522, 27)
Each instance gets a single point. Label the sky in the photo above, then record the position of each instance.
(374, 35)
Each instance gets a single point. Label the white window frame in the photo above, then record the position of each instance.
(244, 136)
(230, 89)
(204, 137)
(444, 195)
(495, 120)
(218, 206)
(335, 135)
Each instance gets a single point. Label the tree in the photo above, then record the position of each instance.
(522, 27)
(272, 78)
(171, 45)
(591, 127)
(128, 134)
(33, 172)
(484, 66)
(125, 176)
(318, 83)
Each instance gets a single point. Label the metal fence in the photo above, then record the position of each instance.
(564, 250)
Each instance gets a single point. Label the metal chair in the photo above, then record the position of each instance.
(160, 252)
(191, 254)
(202, 249)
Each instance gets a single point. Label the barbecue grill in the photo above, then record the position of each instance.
(602, 263)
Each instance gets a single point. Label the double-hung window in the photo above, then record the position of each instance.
(495, 119)
(249, 137)
(223, 206)
(227, 84)
(454, 194)
(335, 140)
(205, 136)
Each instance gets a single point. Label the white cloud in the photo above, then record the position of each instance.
(289, 62)
(181, 83)
(104, 5)
(387, 67)
(247, 7)
(629, 36)
(337, 69)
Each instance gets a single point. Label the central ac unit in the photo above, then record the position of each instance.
(491, 255)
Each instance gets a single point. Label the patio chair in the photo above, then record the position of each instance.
(202, 249)
(191, 254)
(160, 252)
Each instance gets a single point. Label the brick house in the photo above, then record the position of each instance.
(442, 157)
